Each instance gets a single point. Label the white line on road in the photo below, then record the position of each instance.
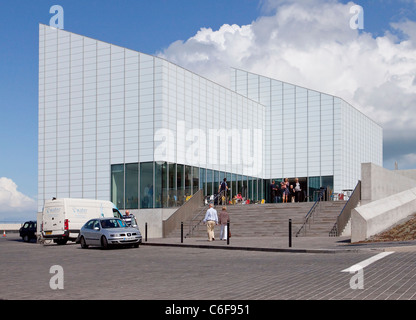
(367, 262)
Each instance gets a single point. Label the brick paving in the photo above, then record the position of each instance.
(177, 273)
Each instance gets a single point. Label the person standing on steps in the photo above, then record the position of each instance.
(224, 189)
(223, 219)
(273, 192)
(298, 191)
(211, 219)
(285, 190)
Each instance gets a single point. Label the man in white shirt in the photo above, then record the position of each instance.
(211, 219)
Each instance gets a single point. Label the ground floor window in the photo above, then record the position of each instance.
(310, 188)
(165, 185)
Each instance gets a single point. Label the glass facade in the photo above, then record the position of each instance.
(146, 185)
(131, 186)
(145, 133)
(311, 134)
(127, 181)
(117, 185)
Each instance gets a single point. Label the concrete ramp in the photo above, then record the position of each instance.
(380, 215)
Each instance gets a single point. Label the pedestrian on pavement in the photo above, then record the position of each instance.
(211, 219)
(223, 219)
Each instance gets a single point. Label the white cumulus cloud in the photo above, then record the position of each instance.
(310, 43)
(13, 203)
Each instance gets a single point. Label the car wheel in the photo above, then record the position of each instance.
(104, 242)
(25, 238)
(83, 243)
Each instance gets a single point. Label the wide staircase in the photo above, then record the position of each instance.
(265, 220)
(322, 222)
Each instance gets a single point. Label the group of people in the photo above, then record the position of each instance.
(212, 219)
(286, 192)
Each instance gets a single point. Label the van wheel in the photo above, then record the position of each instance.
(104, 242)
(83, 243)
(25, 238)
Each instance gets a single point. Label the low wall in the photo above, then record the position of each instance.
(378, 183)
(162, 221)
(408, 173)
(184, 213)
(154, 219)
(377, 216)
(10, 227)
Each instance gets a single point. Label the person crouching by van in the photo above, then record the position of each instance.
(223, 219)
(129, 219)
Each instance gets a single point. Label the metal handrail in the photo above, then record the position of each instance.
(311, 212)
(193, 226)
(345, 214)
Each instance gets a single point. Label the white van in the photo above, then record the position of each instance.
(62, 219)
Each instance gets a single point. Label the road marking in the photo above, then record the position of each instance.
(365, 263)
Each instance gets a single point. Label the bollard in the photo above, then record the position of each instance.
(290, 233)
(181, 232)
(145, 232)
(228, 232)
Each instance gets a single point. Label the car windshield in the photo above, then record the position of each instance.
(112, 223)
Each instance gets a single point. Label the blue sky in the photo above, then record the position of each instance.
(151, 27)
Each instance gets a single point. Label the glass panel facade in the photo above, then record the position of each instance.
(244, 188)
(188, 182)
(195, 180)
(161, 187)
(328, 183)
(209, 182)
(166, 185)
(310, 133)
(180, 183)
(172, 197)
(101, 107)
(146, 185)
(132, 186)
(233, 184)
(202, 180)
(314, 187)
(216, 182)
(117, 185)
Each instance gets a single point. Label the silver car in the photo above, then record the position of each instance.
(105, 232)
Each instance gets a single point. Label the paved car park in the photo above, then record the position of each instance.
(162, 272)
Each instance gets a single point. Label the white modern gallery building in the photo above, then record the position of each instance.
(116, 124)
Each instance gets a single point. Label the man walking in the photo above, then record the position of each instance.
(211, 219)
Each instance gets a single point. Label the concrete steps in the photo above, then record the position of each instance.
(322, 223)
(265, 220)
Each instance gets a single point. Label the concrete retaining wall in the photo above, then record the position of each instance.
(154, 219)
(380, 215)
(378, 183)
(157, 219)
